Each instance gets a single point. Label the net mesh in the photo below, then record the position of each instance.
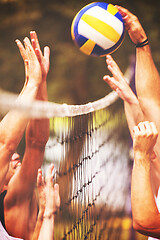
(90, 153)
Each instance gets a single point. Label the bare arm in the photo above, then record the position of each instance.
(147, 76)
(52, 204)
(133, 110)
(42, 204)
(13, 124)
(49, 201)
(146, 218)
(37, 133)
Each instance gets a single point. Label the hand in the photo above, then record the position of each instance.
(135, 29)
(32, 67)
(144, 138)
(41, 191)
(118, 83)
(43, 59)
(52, 193)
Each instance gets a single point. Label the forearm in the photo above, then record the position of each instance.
(38, 225)
(148, 88)
(144, 208)
(47, 229)
(155, 175)
(147, 76)
(42, 92)
(37, 131)
(133, 112)
(13, 124)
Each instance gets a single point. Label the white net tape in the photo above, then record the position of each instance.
(40, 109)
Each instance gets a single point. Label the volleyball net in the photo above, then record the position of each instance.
(89, 146)
(90, 153)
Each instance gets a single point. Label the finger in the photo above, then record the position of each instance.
(112, 83)
(34, 37)
(39, 177)
(116, 72)
(37, 51)
(114, 69)
(33, 44)
(49, 177)
(142, 126)
(28, 46)
(136, 130)
(109, 57)
(26, 64)
(123, 11)
(29, 49)
(46, 52)
(126, 15)
(110, 60)
(21, 49)
(40, 59)
(145, 128)
(148, 128)
(56, 187)
(154, 129)
(57, 197)
(39, 55)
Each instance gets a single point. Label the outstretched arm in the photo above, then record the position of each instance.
(37, 131)
(49, 202)
(147, 76)
(52, 204)
(42, 203)
(14, 123)
(146, 217)
(118, 83)
(133, 110)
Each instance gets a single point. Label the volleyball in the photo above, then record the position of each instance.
(98, 29)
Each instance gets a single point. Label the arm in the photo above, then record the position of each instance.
(117, 82)
(37, 131)
(52, 204)
(147, 76)
(132, 108)
(146, 218)
(42, 204)
(49, 201)
(13, 124)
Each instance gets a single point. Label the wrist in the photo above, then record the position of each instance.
(140, 35)
(131, 99)
(42, 92)
(142, 158)
(142, 43)
(49, 214)
(29, 93)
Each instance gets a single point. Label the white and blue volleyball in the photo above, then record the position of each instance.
(98, 29)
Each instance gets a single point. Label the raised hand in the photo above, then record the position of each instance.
(135, 29)
(32, 66)
(42, 58)
(117, 82)
(41, 191)
(144, 139)
(52, 194)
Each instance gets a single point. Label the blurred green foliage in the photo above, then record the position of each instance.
(74, 78)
